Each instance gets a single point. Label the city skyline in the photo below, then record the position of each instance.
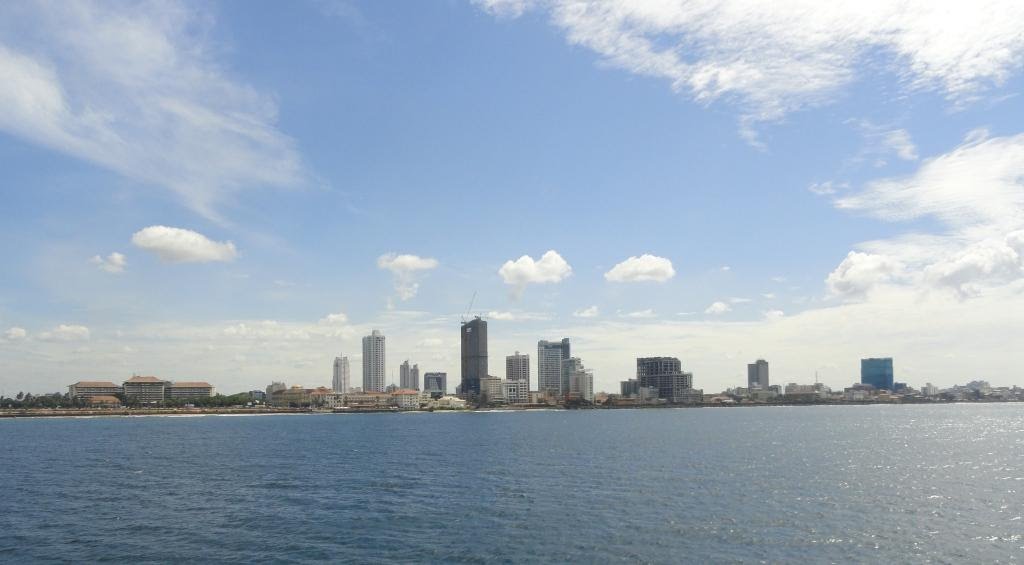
(208, 191)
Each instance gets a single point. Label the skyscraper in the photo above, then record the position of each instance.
(517, 368)
(373, 362)
(757, 375)
(409, 377)
(581, 381)
(666, 375)
(474, 356)
(551, 378)
(342, 380)
(877, 372)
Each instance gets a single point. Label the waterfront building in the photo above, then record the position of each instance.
(581, 381)
(89, 389)
(273, 388)
(666, 375)
(877, 372)
(436, 383)
(406, 399)
(757, 375)
(450, 403)
(295, 396)
(551, 377)
(102, 401)
(930, 390)
(342, 379)
(373, 362)
(517, 391)
(145, 389)
(409, 377)
(367, 400)
(187, 389)
(257, 396)
(629, 388)
(492, 389)
(474, 356)
(517, 368)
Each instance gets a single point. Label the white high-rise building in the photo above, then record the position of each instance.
(551, 379)
(373, 362)
(342, 377)
(581, 380)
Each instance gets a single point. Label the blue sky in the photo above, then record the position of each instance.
(239, 191)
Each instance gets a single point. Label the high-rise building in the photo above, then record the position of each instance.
(581, 381)
(877, 372)
(145, 389)
(666, 375)
(342, 380)
(409, 377)
(551, 378)
(757, 375)
(517, 368)
(373, 362)
(474, 356)
(435, 383)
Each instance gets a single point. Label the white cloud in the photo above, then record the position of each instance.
(15, 334)
(726, 268)
(768, 295)
(827, 188)
(113, 263)
(66, 332)
(517, 316)
(640, 314)
(550, 268)
(589, 312)
(334, 319)
(772, 315)
(778, 279)
(134, 88)
(974, 193)
(406, 269)
(899, 141)
(177, 245)
(859, 273)
(643, 268)
(775, 57)
(717, 308)
(739, 300)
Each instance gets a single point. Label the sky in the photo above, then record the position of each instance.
(237, 192)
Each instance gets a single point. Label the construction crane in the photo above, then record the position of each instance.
(471, 301)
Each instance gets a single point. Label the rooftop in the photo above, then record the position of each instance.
(138, 379)
(191, 384)
(95, 384)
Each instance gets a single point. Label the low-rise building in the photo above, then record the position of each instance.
(517, 391)
(492, 390)
(295, 396)
(89, 389)
(189, 389)
(450, 403)
(367, 400)
(406, 399)
(146, 390)
(100, 401)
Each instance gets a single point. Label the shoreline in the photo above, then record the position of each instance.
(187, 412)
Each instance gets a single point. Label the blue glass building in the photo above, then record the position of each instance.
(877, 372)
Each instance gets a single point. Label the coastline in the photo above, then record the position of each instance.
(187, 412)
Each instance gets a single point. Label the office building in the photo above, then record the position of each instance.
(373, 362)
(517, 391)
(89, 389)
(474, 356)
(666, 375)
(274, 387)
(145, 389)
(436, 383)
(342, 376)
(629, 387)
(409, 376)
(551, 379)
(492, 390)
(757, 375)
(877, 372)
(517, 368)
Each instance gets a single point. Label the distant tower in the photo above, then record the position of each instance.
(757, 375)
(373, 362)
(409, 377)
(474, 356)
(517, 368)
(342, 379)
(877, 372)
(436, 383)
(551, 378)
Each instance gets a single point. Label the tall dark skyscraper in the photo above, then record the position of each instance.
(757, 375)
(877, 372)
(474, 356)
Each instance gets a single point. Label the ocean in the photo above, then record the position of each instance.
(816, 484)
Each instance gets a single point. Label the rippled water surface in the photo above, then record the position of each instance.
(865, 483)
